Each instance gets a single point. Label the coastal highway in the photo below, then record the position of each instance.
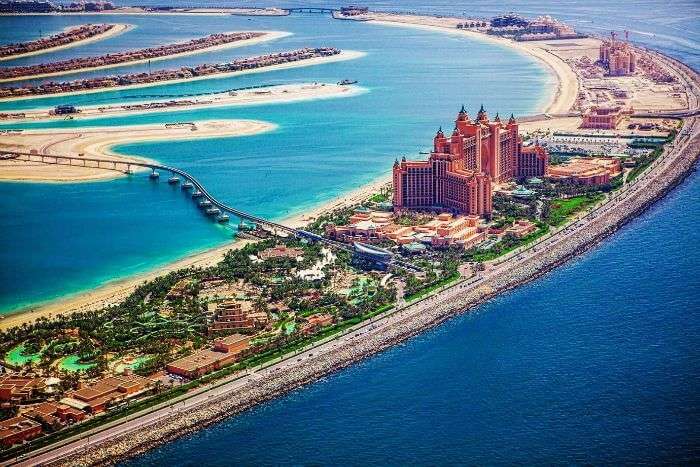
(687, 143)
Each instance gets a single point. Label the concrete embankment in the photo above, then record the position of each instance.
(667, 172)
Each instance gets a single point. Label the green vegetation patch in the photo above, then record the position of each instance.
(561, 210)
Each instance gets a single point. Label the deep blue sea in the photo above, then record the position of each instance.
(595, 363)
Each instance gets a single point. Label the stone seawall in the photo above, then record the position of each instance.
(376, 337)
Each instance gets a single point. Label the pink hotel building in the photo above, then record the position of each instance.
(461, 169)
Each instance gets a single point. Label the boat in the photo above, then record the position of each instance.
(187, 186)
(347, 82)
(205, 203)
(154, 175)
(222, 219)
(213, 211)
(173, 180)
(197, 194)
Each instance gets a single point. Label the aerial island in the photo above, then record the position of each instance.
(72, 37)
(499, 201)
(132, 57)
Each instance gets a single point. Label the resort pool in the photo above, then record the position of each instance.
(72, 364)
(16, 358)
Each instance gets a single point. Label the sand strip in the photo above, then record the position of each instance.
(97, 143)
(343, 55)
(285, 93)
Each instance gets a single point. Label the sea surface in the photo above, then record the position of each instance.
(68, 238)
(595, 363)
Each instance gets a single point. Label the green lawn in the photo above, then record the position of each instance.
(506, 246)
(561, 210)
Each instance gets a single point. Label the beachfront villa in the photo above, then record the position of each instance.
(461, 169)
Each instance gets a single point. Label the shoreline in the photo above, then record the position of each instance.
(119, 288)
(119, 28)
(302, 217)
(342, 56)
(243, 98)
(565, 79)
(501, 276)
(98, 141)
(261, 385)
(268, 36)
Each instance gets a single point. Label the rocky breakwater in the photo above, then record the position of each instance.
(374, 337)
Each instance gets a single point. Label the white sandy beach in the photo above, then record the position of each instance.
(284, 93)
(96, 142)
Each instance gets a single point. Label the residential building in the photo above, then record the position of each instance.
(95, 398)
(617, 56)
(605, 118)
(18, 430)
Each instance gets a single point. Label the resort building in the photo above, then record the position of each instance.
(233, 315)
(201, 362)
(281, 251)
(461, 169)
(604, 118)
(233, 344)
(316, 322)
(521, 228)
(17, 389)
(587, 171)
(18, 430)
(442, 230)
(617, 57)
(95, 398)
(55, 415)
(532, 161)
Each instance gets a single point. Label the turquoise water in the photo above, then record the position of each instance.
(72, 363)
(67, 238)
(596, 363)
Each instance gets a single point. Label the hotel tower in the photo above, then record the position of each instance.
(462, 167)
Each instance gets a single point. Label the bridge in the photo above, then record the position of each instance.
(275, 227)
(310, 10)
